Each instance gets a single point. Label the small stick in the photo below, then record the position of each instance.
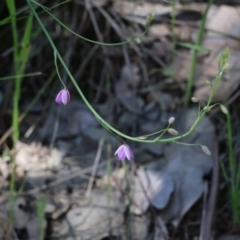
(94, 169)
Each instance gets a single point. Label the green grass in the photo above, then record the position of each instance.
(21, 50)
(234, 169)
(233, 178)
(41, 203)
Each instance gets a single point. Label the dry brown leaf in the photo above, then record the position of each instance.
(92, 221)
(150, 187)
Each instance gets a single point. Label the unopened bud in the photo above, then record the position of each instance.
(207, 109)
(206, 150)
(153, 15)
(225, 55)
(137, 40)
(224, 109)
(171, 120)
(195, 100)
(172, 131)
(208, 82)
(225, 67)
(150, 18)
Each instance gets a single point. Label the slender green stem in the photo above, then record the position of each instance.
(20, 55)
(23, 54)
(86, 39)
(163, 132)
(195, 55)
(41, 203)
(231, 166)
(12, 11)
(151, 134)
(55, 61)
(11, 18)
(173, 19)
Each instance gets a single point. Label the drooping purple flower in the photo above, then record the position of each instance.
(124, 151)
(63, 97)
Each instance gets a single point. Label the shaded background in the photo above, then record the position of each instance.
(65, 156)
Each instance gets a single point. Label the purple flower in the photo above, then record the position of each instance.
(124, 151)
(63, 97)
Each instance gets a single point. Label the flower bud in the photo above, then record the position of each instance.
(124, 151)
(208, 82)
(150, 18)
(207, 109)
(137, 40)
(153, 15)
(195, 100)
(171, 120)
(226, 67)
(206, 150)
(63, 97)
(224, 109)
(172, 131)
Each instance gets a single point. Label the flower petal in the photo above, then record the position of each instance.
(127, 152)
(118, 150)
(65, 96)
(58, 98)
(131, 153)
(121, 155)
